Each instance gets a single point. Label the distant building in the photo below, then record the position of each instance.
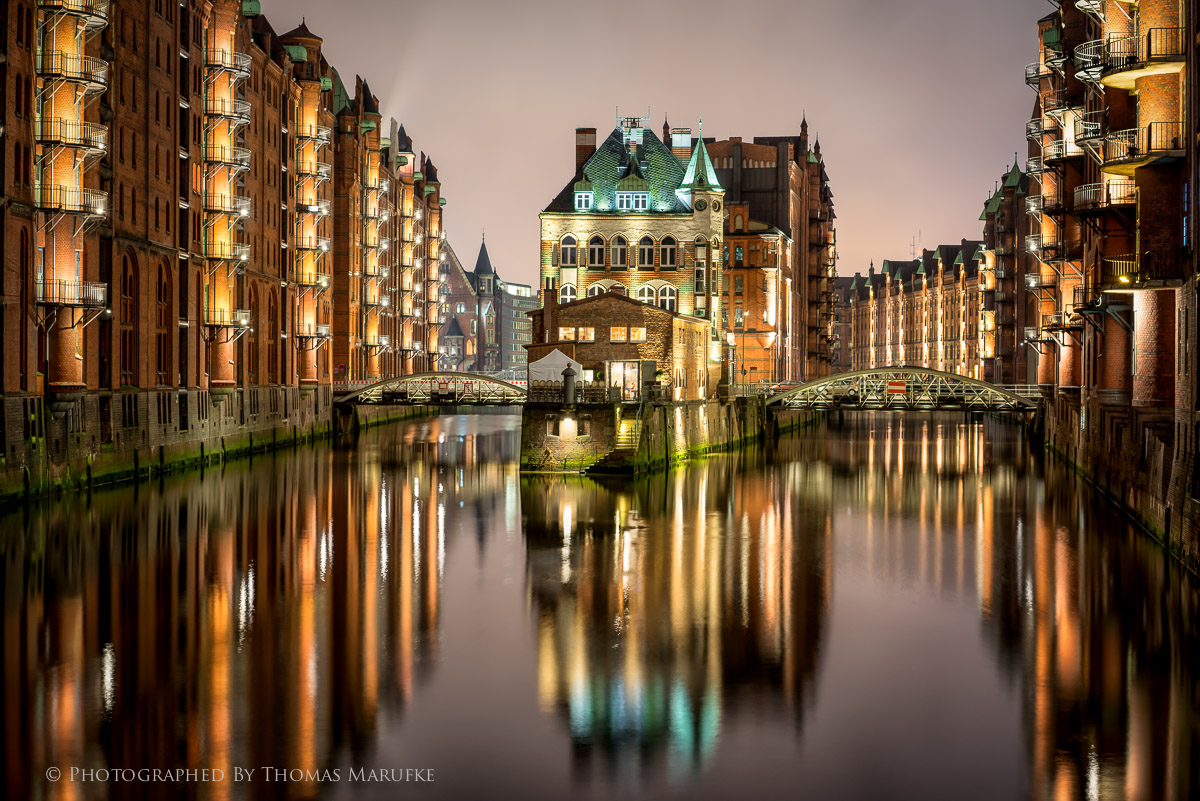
(490, 316)
(1008, 308)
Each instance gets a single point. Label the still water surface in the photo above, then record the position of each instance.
(887, 609)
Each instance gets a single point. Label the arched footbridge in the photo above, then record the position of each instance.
(905, 389)
(460, 389)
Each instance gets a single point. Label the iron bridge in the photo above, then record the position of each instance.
(420, 389)
(904, 389)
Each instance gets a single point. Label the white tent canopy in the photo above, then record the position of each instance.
(550, 367)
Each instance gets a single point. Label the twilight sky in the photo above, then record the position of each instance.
(919, 105)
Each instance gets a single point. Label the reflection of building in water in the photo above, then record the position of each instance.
(664, 605)
(261, 615)
(1083, 610)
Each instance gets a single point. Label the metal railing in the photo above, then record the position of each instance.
(313, 133)
(227, 204)
(318, 331)
(1102, 195)
(88, 135)
(72, 293)
(1061, 149)
(230, 155)
(318, 207)
(312, 278)
(94, 12)
(71, 200)
(227, 251)
(1034, 166)
(1035, 72)
(88, 70)
(1089, 126)
(1089, 60)
(229, 61)
(316, 169)
(1040, 280)
(236, 110)
(320, 243)
(1151, 266)
(1125, 53)
(1133, 144)
(227, 318)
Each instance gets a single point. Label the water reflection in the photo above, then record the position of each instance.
(886, 607)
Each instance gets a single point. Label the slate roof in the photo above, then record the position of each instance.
(483, 264)
(610, 164)
(453, 329)
(301, 30)
(403, 141)
(369, 104)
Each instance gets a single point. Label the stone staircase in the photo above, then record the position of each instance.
(619, 460)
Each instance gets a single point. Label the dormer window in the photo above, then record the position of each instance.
(633, 201)
(583, 201)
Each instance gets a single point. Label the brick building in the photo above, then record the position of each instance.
(1007, 263)
(1112, 224)
(927, 312)
(199, 225)
(781, 247)
(609, 333)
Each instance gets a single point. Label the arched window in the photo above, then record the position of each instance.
(620, 253)
(273, 340)
(646, 254)
(162, 317)
(595, 289)
(567, 254)
(568, 293)
(595, 252)
(739, 222)
(647, 294)
(667, 253)
(701, 252)
(252, 338)
(128, 319)
(667, 298)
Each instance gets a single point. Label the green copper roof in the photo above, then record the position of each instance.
(297, 52)
(326, 83)
(958, 259)
(341, 100)
(656, 170)
(366, 125)
(583, 186)
(700, 173)
(812, 157)
(1013, 179)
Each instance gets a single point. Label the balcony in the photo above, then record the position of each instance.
(317, 331)
(236, 158)
(1151, 269)
(312, 133)
(1159, 51)
(381, 342)
(1041, 280)
(319, 243)
(227, 318)
(1089, 61)
(216, 203)
(376, 301)
(236, 64)
(235, 111)
(93, 14)
(88, 71)
(1033, 206)
(1093, 7)
(1035, 72)
(1034, 166)
(1061, 321)
(313, 279)
(1122, 152)
(1093, 198)
(377, 184)
(87, 136)
(1058, 101)
(82, 294)
(70, 200)
(1035, 129)
(314, 169)
(1034, 333)
(1059, 150)
(227, 251)
(317, 207)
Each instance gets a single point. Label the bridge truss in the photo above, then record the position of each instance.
(902, 389)
(460, 389)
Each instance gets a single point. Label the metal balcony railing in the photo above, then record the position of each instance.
(376, 300)
(237, 111)
(313, 133)
(88, 71)
(71, 200)
(1040, 280)
(1148, 268)
(1093, 7)
(68, 133)
(1035, 129)
(314, 169)
(93, 13)
(312, 278)
(238, 64)
(1089, 60)
(1034, 166)
(317, 207)
(317, 331)
(228, 155)
(1090, 197)
(1033, 206)
(379, 342)
(1061, 149)
(320, 243)
(227, 251)
(227, 204)
(86, 294)
(1035, 72)
(1089, 126)
(227, 318)
(1139, 53)
(1141, 145)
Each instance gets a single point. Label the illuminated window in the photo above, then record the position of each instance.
(594, 290)
(667, 298)
(667, 254)
(566, 333)
(737, 317)
(587, 334)
(646, 253)
(647, 294)
(633, 201)
(583, 201)
(567, 294)
(460, 308)
(637, 334)
(617, 333)
(567, 257)
(699, 280)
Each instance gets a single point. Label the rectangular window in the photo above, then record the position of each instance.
(617, 334)
(624, 201)
(460, 308)
(700, 281)
(637, 334)
(566, 333)
(583, 201)
(587, 334)
(737, 285)
(641, 201)
(737, 317)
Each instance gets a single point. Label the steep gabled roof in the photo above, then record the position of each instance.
(700, 173)
(369, 104)
(301, 30)
(453, 329)
(606, 168)
(483, 264)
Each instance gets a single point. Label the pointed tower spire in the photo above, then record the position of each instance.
(666, 131)
(700, 173)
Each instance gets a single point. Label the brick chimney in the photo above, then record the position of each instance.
(681, 144)
(585, 146)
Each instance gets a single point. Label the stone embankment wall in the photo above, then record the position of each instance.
(1131, 454)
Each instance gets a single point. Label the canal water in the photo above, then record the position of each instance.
(885, 608)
